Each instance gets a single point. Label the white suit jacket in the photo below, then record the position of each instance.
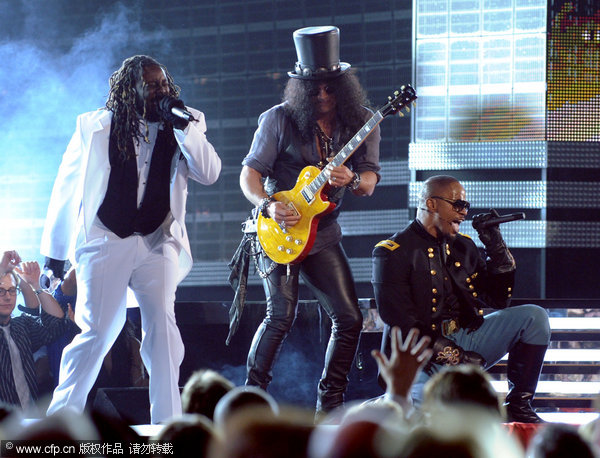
(83, 175)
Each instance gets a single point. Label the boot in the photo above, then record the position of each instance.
(523, 370)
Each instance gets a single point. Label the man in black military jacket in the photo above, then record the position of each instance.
(431, 277)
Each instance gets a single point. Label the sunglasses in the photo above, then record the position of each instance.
(457, 205)
(315, 92)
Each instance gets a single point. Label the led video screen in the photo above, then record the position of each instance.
(573, 96)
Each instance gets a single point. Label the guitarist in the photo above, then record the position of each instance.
(323, 107)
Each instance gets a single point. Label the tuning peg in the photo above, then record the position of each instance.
(407, 108)
(401, 114)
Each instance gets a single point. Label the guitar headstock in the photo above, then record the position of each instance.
(399, 100)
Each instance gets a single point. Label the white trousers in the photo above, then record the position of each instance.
(106, 265)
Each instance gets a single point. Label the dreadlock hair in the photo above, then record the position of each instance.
(122, 99)
(350, 98)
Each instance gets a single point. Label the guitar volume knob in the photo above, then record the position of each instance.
(298, 242)
(289, 238)
(289, 251)
(280, 248)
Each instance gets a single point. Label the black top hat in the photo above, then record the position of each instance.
(318, 50)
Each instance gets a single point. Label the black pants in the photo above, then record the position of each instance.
(328, 275)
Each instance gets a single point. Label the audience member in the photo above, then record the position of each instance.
(559, 440)
(202, 392)
(188, 434)
(591, 430)
(371, 429)
(258, 432)
(426, 443)
(459, 385)
(406, 362)
(47, 358)
(241, 398)
(23, 335)
(66, 428)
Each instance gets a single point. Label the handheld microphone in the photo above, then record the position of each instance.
(495, 220)
(48, 281)
(176, 107)
(183, 114)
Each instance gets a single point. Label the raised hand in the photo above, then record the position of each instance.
(406, 361)
(30, 273)
(10, 259)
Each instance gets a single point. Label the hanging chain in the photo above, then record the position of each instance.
(326, 144)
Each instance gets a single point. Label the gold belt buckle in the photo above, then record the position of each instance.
(449, 327)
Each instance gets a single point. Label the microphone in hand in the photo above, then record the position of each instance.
(485, 220)
(52, 273)
(487, 226)
(173, 110)
(489, 233)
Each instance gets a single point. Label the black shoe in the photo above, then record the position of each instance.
(519, 409)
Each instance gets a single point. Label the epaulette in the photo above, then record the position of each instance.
(388, 244)
(465, 235)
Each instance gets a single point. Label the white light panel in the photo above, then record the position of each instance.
(488, 155)
(490, 51)
(496, 194)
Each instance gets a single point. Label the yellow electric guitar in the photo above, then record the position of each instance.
(290, 245)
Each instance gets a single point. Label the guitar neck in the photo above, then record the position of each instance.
(347, 151)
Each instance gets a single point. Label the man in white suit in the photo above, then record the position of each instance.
(118, 211)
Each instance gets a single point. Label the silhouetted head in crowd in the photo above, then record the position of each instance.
(424, 443)
(241, 398)
(203, 391)
(556, 440)
(462, 384)
(65, 426)
(256, 432)
(189, 435)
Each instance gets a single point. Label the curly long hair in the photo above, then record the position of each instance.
(122, 99)
(350, 98)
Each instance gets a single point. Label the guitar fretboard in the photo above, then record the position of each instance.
(311, 189)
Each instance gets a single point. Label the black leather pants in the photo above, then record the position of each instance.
(328, 275)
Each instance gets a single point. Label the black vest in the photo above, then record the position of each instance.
(119, 211)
